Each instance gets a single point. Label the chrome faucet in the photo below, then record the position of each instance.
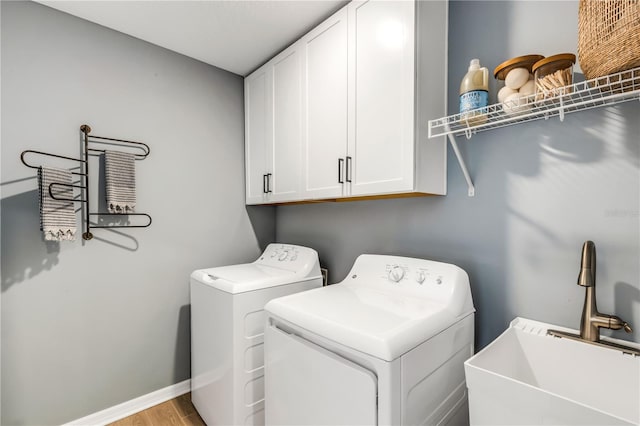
(592, 320)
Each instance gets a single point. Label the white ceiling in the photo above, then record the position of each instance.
(235, 35)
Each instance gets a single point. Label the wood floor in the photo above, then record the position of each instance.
(178, 411)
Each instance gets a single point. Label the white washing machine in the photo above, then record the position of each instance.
(385, 346)
(227, 330)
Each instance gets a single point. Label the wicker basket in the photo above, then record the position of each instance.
(608, 36)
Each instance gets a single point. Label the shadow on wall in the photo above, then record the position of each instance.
(127, 242)
(24, 252)
(262, 220)
(577, 139)
(182, 361)
(627, 297)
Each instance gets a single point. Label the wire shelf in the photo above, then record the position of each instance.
(594, 93)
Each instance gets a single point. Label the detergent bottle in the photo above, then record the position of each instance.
(474, 94)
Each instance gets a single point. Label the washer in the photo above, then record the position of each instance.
(385, 346)
(227, 326)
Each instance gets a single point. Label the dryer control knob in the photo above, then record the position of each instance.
(420, 277)
(396, 274)
(283, 256)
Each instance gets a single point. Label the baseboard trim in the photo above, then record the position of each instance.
(133, 406)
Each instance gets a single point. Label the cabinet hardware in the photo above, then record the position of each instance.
(348, 173)
(264, 184)
(269, 183)
(340, 163)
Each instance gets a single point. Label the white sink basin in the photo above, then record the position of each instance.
(528, 377)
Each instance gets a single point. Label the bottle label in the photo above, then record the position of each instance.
(473, 99)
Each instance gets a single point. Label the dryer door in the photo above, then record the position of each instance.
(306, 384)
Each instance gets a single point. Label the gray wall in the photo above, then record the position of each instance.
(86, 326)
(542, 189)
(89, 325)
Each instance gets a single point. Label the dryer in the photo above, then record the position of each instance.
(227, 326)
(387, 345)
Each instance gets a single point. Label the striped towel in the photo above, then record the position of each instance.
(57, 218)
(120, 176)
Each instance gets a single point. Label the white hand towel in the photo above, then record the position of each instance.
(57, 217)
(120, 177)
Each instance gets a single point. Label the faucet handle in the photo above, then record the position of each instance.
(627, 327)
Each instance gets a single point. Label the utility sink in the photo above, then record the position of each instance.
(528, 377)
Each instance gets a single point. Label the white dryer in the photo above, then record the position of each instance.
(385, 346)
(227, 326)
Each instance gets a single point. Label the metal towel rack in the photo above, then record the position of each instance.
(84, 166)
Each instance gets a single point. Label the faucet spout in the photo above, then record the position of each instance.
(587, 275)
(592, 321)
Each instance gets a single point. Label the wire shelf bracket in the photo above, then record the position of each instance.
(471, 189)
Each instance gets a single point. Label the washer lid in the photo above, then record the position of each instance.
(244, 277)
(279, 264)
(364, 318)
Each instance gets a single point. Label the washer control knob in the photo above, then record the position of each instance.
(396, 274)
(439, 280)
(420, 277)
(283, 255)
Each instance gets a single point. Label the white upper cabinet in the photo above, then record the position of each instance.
(324, 109)
(346, 107)
(257, 101)
(381, 146)
(287, 127)
(273, 130)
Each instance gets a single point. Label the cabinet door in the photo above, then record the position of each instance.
(287, 126)
(325, 108)
(381, 137)
(258, 112)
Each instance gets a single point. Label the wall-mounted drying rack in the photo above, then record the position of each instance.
(84, 167)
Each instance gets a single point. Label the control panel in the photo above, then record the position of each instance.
(419, 274)
(406, 281)
(412, 279)
(287, 256)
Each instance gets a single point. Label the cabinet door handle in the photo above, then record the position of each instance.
(269, 182)
(264, 184)
(340, 163)
(348, 174)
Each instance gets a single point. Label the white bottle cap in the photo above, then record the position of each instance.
(474, 64)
